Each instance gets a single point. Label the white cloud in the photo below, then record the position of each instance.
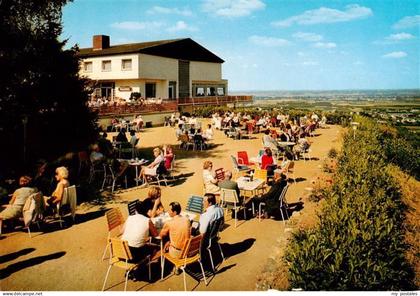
(325, 15)
(167, 10)
(136, 25)
(310, 63)
(395, 55)
(399, 37)
(268, 41)
(182, 26)
(325, 45)
(232, 8)
(407, 22)
(310, 37)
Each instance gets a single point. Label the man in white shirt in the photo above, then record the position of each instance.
(136, 232)
(213, 212)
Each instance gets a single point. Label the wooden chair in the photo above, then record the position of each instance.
(229, 199)
(190, 254)
(262, 175)
(122, 258)
(115, 221)
(289, 170)
(220, 174)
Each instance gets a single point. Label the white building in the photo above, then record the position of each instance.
(167, 69)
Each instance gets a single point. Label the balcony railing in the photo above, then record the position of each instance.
(164, 106)
(168, 105)
(213, 100)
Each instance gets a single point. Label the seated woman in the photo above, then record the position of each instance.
(210, 181)
(15, 207)
(137, 230)
(208, 133)
(267, 162)
(168, 155)
(61, 175)
(151, 168)
(153, 202)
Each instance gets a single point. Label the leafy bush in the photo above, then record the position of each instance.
(359, 242)
(332, 153)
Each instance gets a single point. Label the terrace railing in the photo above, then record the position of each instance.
(213, 100)
(168, 105)
(137, 108)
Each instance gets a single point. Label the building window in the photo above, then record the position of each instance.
(150, 90)
(106, 65)
(211, 91)
(220, 91)
(87, 66)
(200, 91)
(126, 65)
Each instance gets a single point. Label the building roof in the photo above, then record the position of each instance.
(182, 49)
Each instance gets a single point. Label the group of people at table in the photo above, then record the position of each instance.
(175, 231)
(104, 149)
(213, 185)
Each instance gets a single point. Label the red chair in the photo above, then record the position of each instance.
(250, 127)
(220, 174)
(243, 159)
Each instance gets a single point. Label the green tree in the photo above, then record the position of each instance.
(42, 98)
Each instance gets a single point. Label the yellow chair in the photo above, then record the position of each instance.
(262, 175)
(190, 254)
(115, 222)
(290, 170)
(121, 257)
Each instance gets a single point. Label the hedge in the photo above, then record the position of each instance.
(359, 241)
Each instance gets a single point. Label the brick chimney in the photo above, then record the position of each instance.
(100, 42)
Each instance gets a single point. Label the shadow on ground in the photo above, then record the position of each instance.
(15, 267)
(14, 255)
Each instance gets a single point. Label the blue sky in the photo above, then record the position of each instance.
(272, 44)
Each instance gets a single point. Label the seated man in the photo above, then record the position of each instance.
(178, 229)
(15, 207)
(271, 198)
(136, 232)
(227, 183)
(213, 212)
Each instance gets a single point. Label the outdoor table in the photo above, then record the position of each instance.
(284, 144)
(135, 163)
(255, 159)
(245, 184)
